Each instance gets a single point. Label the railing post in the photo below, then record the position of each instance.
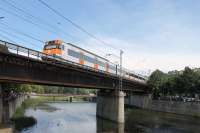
(116, 69)
(38, 55)
(17, 50)
(28, 53)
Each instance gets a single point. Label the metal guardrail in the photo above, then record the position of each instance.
(23, 51)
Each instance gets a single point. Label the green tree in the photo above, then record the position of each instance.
(156, 81)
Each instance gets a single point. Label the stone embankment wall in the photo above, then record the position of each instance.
(177, 107)
(13, 105)
(8, 109)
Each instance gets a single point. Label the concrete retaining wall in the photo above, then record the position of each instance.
(141, 101)
(145, 102)
(186, 108)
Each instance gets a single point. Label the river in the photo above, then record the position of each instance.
(81, 118)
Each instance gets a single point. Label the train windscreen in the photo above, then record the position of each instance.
(50, 47)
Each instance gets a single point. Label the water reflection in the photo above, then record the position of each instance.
(67, 118)
(157, 122)
(104, 126)
(46, 108)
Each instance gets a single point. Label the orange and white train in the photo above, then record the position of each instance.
(72, 53)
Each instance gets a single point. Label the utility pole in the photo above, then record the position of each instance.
(120, 77)
(120, 69)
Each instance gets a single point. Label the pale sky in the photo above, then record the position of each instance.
(154, 34)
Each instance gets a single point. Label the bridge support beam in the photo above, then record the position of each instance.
(110, 105)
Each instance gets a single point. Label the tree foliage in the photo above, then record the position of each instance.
(186, 82)
(22, 88)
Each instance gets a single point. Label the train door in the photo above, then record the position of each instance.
(81, 59)
(96, 64)
(107, 67)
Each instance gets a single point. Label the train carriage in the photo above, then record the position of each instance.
(70, 52)
(75, 54)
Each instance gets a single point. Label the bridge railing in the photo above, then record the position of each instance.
(23, 51)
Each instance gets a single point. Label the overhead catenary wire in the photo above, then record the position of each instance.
(26, 20)
(27, 13)
(76, 25)
(24, 34)
(17, 37)
(37, 18)
(7, 38)
(32, 17)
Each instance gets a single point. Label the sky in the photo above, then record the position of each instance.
(154, 34)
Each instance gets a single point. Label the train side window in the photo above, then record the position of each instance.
(101, 63)
(89, 59)
(112, 67)
(73, 53)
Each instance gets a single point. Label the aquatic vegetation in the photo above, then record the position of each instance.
(23, 122)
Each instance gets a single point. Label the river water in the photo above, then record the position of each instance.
(81, 118)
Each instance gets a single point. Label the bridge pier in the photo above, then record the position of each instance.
(110, 105)
(1, 104)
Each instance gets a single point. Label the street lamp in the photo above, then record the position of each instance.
(120, 65)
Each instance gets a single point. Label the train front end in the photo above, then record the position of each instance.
(53, 49)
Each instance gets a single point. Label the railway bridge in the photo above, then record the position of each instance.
(23, 65)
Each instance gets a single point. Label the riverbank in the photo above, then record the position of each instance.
(58, 98)
(20, 121)
(6, 129)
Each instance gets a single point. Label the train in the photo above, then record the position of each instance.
(61, 50)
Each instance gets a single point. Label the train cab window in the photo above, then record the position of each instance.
(50, 46)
